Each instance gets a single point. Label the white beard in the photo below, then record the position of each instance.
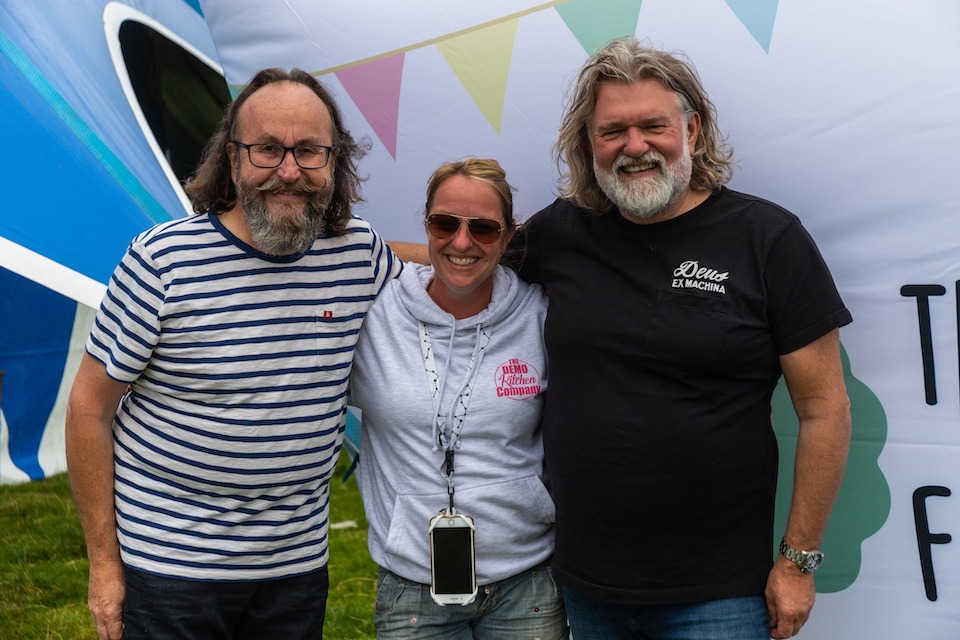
(646, 198)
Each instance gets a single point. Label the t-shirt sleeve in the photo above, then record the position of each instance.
(524, 252)
(386, 264)
(804, 303)
(127, 326)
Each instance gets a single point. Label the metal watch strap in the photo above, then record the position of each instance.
(806, 561)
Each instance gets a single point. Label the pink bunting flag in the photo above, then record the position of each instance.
(375, 89)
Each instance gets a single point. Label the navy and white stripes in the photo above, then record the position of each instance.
(239, 365)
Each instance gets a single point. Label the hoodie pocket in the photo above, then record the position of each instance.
(514, 518)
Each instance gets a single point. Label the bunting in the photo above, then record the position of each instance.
(758, 17)
(596, 23)
(375, 88)
(480, 56)
(481, 60)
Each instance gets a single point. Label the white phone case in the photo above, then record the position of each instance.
(453, 574)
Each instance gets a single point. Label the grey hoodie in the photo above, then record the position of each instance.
(498, 476)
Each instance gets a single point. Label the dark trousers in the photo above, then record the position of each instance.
(161, 608)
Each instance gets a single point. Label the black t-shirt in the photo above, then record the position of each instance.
(664, 342)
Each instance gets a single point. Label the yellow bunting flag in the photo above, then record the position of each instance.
(481, 60)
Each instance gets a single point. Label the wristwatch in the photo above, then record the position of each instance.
(806, 561)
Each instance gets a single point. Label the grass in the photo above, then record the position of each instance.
(353, 575)
(43, 565)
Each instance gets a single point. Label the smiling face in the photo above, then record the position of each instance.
(463, 268)
(283, 207)
(642, 146)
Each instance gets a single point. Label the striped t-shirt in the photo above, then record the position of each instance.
(238, 364)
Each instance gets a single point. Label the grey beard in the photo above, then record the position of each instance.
(649, 199)
(286, 235)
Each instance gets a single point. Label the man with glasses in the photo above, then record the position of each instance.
(206, 417)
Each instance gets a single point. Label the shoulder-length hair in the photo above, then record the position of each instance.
(626, 60)
(212, 188)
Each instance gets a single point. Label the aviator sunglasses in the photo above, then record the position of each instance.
(443, 225)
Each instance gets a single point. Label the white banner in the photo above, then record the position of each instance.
(843, 112)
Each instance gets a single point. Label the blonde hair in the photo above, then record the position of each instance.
(484, 169)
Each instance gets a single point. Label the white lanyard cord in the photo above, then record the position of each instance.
(462, 402)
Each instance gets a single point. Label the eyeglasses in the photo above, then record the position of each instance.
(270, 156)
(443, 225)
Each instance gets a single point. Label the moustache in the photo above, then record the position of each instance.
(299, 187)
(651, 157)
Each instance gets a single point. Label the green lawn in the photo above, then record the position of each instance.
(43, 566)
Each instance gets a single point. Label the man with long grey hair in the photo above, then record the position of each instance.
(676, 304)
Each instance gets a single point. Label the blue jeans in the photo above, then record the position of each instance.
(526, 606)
(743, 618)
(161, 608)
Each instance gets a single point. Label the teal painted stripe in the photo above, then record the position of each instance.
(82, 130)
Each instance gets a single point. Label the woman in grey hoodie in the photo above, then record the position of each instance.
(450, 374)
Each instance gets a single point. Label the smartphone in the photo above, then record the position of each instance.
(453, 573)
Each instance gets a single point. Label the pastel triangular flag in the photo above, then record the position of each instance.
(375, 89)
(481, 60)
(595, 23)
(758, 17)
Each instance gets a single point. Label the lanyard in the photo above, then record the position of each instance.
(463, 400)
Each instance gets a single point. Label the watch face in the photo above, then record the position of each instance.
(813, 561)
